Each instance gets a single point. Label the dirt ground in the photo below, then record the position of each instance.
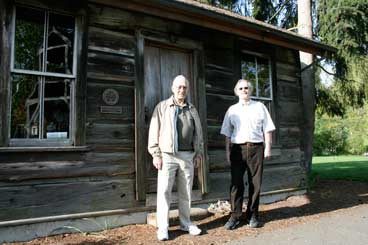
(325, 198)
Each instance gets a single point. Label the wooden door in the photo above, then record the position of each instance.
(161, 65)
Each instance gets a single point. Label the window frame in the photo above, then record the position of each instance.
(270, 103)
(43, 75)
(270, 74)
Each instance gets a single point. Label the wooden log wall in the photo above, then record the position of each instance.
(54, 182)
(222, 66)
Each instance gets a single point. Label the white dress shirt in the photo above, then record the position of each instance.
(247, 122)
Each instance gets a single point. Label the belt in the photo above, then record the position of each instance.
(251, 143)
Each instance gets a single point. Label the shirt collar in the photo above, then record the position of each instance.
(244, 103)
(172, 102)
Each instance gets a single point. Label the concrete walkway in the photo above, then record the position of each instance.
(341, 228)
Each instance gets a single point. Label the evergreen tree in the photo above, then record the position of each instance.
(263, 10)
(236, 6)
(344, 25)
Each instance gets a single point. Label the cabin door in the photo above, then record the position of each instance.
(161, 65)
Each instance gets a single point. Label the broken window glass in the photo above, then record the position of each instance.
(41, 103)
(60, 44)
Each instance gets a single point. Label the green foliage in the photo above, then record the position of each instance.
(357, 123)
(236, 6)
(282, 13)
(289, 17)
(330, 137)
(344, 25)
(337, 135)
(263, 10)
(340, 167)
(328, 99)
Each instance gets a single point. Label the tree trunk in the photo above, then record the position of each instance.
(308, 85)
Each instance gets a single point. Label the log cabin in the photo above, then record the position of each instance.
(79, 81)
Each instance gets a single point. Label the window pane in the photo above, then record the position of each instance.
(248, 69)
(25, 107)
(264, 83)
(60, 44)
(56, 108)
(29, 31)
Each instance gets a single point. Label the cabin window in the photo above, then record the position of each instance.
(43, 66)
(257, 70)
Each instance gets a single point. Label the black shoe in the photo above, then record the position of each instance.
(253, 222)
(232, 223)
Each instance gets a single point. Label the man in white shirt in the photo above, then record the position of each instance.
(247, 127)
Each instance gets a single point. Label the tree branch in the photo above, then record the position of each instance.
(292, 28)
(314, 62)
(278, 11)
(329, 73)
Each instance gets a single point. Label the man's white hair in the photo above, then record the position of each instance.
(180, 78)
(250, 86)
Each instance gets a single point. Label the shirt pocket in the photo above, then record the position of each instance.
(258, 124)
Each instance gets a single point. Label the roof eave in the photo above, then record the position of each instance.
(196, 13)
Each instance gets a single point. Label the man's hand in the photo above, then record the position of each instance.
(157, 162)
(197, 160)
(228, 157)
(227, 149)
(267, 152)
(268, 144)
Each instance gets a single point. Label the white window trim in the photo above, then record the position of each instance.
(72, 124)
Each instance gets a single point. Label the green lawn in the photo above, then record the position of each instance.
(341, 167)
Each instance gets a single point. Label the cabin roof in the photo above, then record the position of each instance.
(193, 12)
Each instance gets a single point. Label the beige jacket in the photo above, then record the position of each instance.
(162, 131)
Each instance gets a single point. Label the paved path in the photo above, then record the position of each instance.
(341, 228)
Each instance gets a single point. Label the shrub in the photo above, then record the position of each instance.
(330, 137)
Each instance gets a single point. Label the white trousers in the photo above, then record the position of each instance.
(182, 164)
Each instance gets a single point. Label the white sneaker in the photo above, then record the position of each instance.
(162, 235)
(192, 229)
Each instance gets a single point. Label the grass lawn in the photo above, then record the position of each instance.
(340, 167)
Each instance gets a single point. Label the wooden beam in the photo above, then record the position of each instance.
(140, 147)
(200, 95)
(5, 25)
(80, 87)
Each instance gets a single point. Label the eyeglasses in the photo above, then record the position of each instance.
(181, 87)
(245, 88)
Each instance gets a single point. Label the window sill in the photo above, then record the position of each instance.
(46, 149)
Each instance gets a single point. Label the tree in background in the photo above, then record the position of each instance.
(264, 10)
(344, 25)
(237, 6)
(305, 28)
(282, 13)
(356, 121)
(330, 136)
(335, 135)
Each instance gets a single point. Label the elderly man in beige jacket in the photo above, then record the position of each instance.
(176, 145)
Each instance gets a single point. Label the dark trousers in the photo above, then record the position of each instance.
(246, 157)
